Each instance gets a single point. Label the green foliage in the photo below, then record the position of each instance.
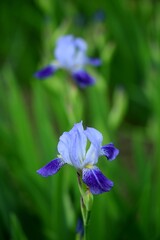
(123, 105)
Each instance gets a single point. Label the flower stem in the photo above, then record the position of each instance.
(86, 202)
(70, 98)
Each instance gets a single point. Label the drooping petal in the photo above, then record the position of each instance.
(96, 181)
(83, 79)
(51, 168)
(94, 61)
(45, 72)
(109, 151)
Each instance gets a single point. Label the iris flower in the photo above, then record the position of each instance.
(72, 148)
(70, 54)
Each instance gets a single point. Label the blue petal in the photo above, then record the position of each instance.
(78, 146)
(70, 52)
(109, 151)
(64, 40)
(91, 156)
(96, 181)
(95, 137)
(51, 168)
(45, 72)
(83, 79)
(65, 51)
(81, 44)
(94, 61)
(72, 146)
(64, 147)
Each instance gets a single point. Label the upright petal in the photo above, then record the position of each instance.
(72, 145)
(65, 51)
(81, 44)
(64, 146)
(81, 141)
(91, 156)
(95, 137)
(109, 151)
(83, 79)
(51, 168)
(96, 181)
(78, 145)
(78, 149)
(64, 40)
(46, 72)
(79, 61)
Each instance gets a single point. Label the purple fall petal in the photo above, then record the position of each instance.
(109, 151)
(96, 181)
(45, 72)
(94, 61)
(82, 78)
(51, 168)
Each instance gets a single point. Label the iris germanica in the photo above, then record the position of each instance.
(70, 54)
(72, 148)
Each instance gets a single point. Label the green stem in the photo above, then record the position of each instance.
(86, 202)
(69, 101)
(85, 233)
(84, 216)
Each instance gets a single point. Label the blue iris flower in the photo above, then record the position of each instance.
(72, 148)
(70, 54)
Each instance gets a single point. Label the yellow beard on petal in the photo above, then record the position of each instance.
(89, 166)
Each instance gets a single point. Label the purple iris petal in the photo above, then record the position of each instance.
(109, 151)
(96, 181)
(82, 78)
(94, 61)
(51, 168)
(45, 72)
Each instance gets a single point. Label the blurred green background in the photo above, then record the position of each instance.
(124, 105)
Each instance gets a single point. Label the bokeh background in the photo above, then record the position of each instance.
(124, 105)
